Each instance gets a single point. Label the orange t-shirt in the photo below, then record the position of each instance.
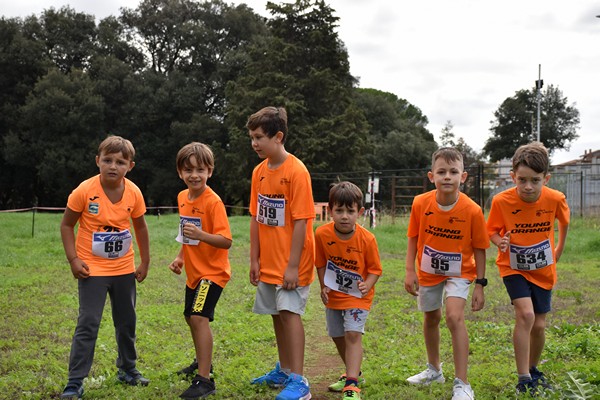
(203, 261)
(446, 239)
(530, 224)
(104, 238)
(359, 255)
(285, 195)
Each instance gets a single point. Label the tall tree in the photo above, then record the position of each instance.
(448, 139)
(514, 123)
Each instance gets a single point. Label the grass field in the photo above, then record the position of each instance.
(38, 312)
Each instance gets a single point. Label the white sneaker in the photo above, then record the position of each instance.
(462, 391)
(426, 377)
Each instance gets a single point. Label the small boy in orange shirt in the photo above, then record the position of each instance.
(521, 224)
(447, 238)
(205, 238)
(281, 247)
(348, 265)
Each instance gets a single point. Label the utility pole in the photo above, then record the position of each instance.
(538, 86)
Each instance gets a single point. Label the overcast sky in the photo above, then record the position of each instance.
(456, 60)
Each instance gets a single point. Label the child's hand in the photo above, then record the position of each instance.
(192, 231)
(411, 283)
(505, 242)
(254, 273)
(478, 299)
(363, 287)
(325, 295)
(176, 265)
(141, 272)
(290, 278)
(79, 269)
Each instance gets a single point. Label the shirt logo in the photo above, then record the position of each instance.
(455, 219)
(429, 213)
(539, 213)
(284, 181)
(261, 178)
(94, 198)
(330, 243)
(93, 208)
(516, 212)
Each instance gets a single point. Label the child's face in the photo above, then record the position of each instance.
(345, 217)
(264, 145)
(195, 175)
(529, 183)
(113, 167)
(447, 176)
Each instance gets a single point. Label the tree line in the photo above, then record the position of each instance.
(174, 71)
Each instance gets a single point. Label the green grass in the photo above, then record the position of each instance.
(39, 312)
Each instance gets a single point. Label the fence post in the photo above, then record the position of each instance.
(582, 197)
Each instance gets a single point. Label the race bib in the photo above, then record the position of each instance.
(341, 280)
(181, 238)
(111, 244)
(441, 263)
(270, 211)
(530, 258)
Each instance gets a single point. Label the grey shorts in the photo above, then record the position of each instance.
(341, 321)
(431, 298)
(271, 299)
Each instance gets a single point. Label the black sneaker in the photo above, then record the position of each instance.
(132, 377)
(529, 386)
(539, 378)
(192, 369)
(72, 391)
(199, 389)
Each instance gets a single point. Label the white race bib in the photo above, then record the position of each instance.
(530, 258)
(342, 280)
(270, 211)
(441, 263)
(181, 238)
(111, 244)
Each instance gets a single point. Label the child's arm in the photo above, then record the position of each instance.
(290, 276)
(411, 283)
(478, 299)
(177, 264)
(67, 232)
(366, 285)
(254, 252)
(562, 237)
(501, 242)
(194, 232)
(324, 289)
(143, 242)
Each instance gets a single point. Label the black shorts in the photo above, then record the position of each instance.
(518, 287)
(202, 300)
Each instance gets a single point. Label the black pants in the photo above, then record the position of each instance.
(92, 297)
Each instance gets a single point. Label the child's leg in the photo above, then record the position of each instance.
(537, 339)
(354, 353)
(92, 296)
(524, 321)
(203, 343)
(431, 332)
(340, 344)
(292, 339)
(122, 299)
(455, 320)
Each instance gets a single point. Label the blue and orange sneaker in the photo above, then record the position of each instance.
(296, 388)
(275, 378)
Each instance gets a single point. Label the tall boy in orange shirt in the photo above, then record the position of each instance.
(281, 247)
(205, 238)
(447, 237)
(521, 224)
(348, 265)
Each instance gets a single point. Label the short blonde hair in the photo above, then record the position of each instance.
(117, 144)
(203, 154)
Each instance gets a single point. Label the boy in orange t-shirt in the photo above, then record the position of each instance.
(447, 238)
(281, 247)
(205, 238)
(102, 260)
(521, 224)
(348, 265)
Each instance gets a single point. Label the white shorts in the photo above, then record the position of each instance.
(341, 321)
(271, 298)
(431, 298)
